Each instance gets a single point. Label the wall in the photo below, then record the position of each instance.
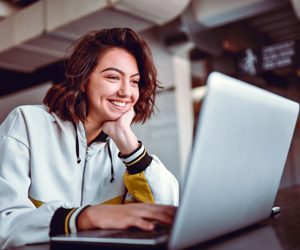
(168, 134)
(32, 95)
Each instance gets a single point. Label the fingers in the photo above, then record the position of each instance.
(141, 215)
(127, 117)
(123, 123)
(160, 213)
(154, 212)
(144, 215)
(144, 224)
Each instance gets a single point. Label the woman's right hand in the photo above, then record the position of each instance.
(140, 215)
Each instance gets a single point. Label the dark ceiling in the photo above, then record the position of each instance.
(20, 3)
(273, 27)
(277, 25)
(280, 24)
(12, 81)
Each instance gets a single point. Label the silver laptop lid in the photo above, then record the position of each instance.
(240, 148)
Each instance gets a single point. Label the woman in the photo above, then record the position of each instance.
(74, 163)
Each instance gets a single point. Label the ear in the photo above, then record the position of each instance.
(82, 88)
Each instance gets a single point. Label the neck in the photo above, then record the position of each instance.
(92, 131)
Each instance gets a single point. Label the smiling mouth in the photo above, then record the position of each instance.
(119, 104)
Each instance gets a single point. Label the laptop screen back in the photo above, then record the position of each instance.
(240, 148)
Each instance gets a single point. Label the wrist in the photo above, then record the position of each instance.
(64, 220)
(126, 142)
(83, 220)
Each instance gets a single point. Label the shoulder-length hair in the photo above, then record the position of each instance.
(68, 100)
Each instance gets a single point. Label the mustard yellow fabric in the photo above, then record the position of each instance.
(138, 186)
(116, 200)
(67, 220)
(36, 203)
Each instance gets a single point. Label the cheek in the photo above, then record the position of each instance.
(94, 100)
(136, 95)
(91, 95)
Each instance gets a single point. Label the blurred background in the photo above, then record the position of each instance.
(253, 40)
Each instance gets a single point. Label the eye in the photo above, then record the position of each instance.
(135, 81)
(113, 77)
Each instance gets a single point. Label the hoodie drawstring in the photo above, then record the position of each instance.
(77, 145)
(111, 166)
(103, 138)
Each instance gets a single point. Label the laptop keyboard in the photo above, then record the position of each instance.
(136, 233)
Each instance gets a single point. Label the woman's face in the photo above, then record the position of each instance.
(113, 86)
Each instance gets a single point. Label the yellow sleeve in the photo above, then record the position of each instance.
(138, 186)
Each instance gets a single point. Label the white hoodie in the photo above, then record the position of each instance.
(39, 174)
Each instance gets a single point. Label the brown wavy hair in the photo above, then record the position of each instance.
(68, 100)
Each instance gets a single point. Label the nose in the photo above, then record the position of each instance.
(125, 89)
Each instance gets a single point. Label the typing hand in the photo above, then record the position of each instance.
(137, 215)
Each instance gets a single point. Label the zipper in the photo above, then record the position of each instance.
(83, 173)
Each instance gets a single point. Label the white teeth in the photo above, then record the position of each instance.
(120, 104)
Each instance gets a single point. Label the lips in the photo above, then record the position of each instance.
(119, 104)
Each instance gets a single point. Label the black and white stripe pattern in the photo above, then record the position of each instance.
(137, 161)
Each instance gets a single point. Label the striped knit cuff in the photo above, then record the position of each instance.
(73, 219)
(64, 221)
(137, 161)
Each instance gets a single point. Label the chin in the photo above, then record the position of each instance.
(115, 117)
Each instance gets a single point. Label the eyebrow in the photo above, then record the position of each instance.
(118, 70)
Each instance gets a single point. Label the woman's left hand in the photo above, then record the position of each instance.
(121, 133)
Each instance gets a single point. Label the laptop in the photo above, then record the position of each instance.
(241, 143)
